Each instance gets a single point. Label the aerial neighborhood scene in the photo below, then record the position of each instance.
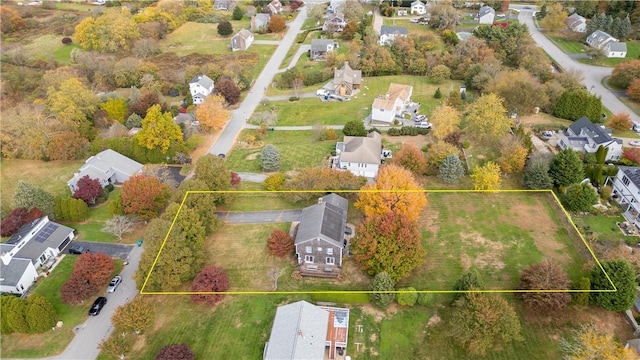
(320, 179)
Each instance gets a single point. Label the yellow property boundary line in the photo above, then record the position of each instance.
(566, 213)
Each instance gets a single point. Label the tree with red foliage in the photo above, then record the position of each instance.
(388, 243)
(17, 218)
(144, 196)
(228, 89)
(280, 243)
(175, 352)
(210, 279)
(235, 179)
(276, 24)
(90, 273)
(147, 100)
(631, 154)
(88, 190)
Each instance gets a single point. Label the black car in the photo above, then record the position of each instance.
(97, 306)
(77, 250)
(348, 230)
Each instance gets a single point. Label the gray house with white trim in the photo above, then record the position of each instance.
(200, 87)
(586, 137)
(33, 245)
(319, 239)
(109, 167)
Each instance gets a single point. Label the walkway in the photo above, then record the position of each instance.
(593, 75)
(239, 116)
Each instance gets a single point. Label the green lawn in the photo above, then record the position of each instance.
(604, 228)
(91, 229)
(298, 150)
(260, 202)
(51, 342)
(202, 38)
(47, 46)
(496, 234)
(51, 176)
(568, 45)
(313, 111)
(633, 52)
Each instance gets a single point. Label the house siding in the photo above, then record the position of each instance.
(628, 197)
(319, 256)
(29, 276)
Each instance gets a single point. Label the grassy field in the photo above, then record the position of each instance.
(604, 228)
(91, 229)
(498, 235)
(51, 342)
(260, 202)
(201, 38)
(313, 111)
(568, 45)
(46, 46)
(52, 176)
(298, 150)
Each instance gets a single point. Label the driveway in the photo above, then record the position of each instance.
(593, 75)
(239, 116)
(259, 217)
(114, 250)
(302, 50)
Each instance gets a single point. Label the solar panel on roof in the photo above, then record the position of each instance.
(44, 234)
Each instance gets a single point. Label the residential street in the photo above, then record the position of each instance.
(239, 117)
(593, 75)
(89, 334)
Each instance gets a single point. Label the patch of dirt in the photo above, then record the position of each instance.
(541, 227)
(490, 257)
(203, 149)
(373, 311)
(252, 156)
(238, 324)
(140, 343)
(373, 337)
(434, 320)
(418, 141)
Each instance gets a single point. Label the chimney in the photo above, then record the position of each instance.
(386, 96)
(320, 200)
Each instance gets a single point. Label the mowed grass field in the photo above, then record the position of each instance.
(202, 38)
(498, 235)
(313, 111)
(298, 150)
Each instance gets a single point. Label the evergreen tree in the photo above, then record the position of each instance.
(270, 158)
(625, 28)
(566, 168)
(451, 169)
(354, 128)
(40, 314)
(29, 196)
(237, 13)
(381, 283)
(536, 173)
(623, 277)
(437, 94)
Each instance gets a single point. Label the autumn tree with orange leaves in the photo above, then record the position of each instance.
(395, 190)
(212, 113)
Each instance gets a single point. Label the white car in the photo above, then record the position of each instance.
(634, 143)
(424, 125)
(414, 21)
(420, 118)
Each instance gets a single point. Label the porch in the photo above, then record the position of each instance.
(319, 270)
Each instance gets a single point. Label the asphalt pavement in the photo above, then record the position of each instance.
(259, 217)
(114, 250)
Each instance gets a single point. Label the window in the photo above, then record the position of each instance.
(625, 180)
(308, 249)
(331, 260)
(308, 258)
(329, 251)
(319, 249)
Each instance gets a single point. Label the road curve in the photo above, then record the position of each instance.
(593, 75)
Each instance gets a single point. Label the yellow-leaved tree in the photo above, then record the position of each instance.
(589, 343)
(113, 31)
(159, 130)
(395, 190)
(212, 113)
(513, 156)
(487, 119)
(445, 120)
(487, 177)
(72, 101)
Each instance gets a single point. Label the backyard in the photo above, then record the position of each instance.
(313, 111)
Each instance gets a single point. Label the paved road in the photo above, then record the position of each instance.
(114, 250)
(252, 100)
(260, 217)
(593, 75)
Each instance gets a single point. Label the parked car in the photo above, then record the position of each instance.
(424, 125)
(348, 230)
(97, 306)
(635, 143)
(547, 134)
(414, 21)
(114, 283)
(322, 92)
(77, 250)
(421, 118)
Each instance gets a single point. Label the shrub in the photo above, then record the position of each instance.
(210, 279)
(380, 285)
(621, 122)
(407, 297)
(175, 352)
(40, 314)
(437, 94)
(280, 243)
(275, 182)
(354, 128)
(425, 299)
(66, 40)
(579, 197)
(237, 13)
(468, 281)
(225, 28)
(623, 277)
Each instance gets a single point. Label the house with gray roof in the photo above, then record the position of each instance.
(586, 137)
(260, 22)
(320, 48)
(626, 191)
(346, 81)
(362, 155)
(334, 23)
(241, 40)
(35, 244)
(388, 34)
(302, 330)
(577, 23)
(226, 5)
(109, 167)
(610, 46)
(200, 87)
(319, 238)
(486, 15)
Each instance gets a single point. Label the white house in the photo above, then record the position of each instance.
(109, 167)
(334, 23)
(393, 104)
(200, 87)
(586, 137)
(486, 15)
(241, 40)
(274, 7)
(388, 34)
(577, 23)
(626, 191)
(32, 246)
(361, 155)
(418, 8)
(334, 6)
(610, 46)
